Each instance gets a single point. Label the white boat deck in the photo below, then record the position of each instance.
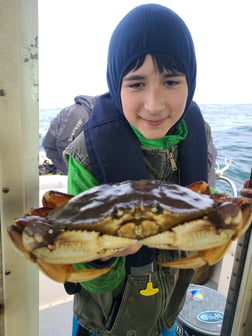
(56, 320)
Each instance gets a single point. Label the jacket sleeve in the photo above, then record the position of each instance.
(64, 128)
(50, 145)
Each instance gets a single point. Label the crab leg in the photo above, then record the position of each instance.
(54, 199)
(202, 258)
(63, 273)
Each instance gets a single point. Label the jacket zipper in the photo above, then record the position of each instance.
(172, 162)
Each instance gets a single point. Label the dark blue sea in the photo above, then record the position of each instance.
(232, 134)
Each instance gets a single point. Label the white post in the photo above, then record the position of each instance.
(19, 157)
(242, 323)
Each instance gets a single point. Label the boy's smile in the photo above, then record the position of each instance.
(153, 102)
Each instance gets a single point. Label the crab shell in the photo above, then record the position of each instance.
(106, 219)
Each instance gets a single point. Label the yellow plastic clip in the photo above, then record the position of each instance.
(149, 290)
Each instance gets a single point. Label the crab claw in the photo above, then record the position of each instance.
(72, 247)
(15, 232)
(212, 255)
(57, 272)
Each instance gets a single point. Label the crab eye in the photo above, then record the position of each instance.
(156, 208)
(117, 212)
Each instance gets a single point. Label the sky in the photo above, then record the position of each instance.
(74, 37)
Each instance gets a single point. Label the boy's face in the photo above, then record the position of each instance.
(153, 102)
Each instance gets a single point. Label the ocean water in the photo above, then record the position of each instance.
(232, 135)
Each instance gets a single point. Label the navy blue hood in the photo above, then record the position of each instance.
(149, 29)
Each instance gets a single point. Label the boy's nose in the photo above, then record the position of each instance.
(154, 102)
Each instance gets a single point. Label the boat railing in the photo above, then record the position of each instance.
(219, 172)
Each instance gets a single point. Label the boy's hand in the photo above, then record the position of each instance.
(246, 191)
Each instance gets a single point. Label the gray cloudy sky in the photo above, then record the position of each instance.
(74, 36)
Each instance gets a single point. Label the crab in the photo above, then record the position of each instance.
(106, 219)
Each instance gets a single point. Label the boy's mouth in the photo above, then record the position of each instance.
(154, 122)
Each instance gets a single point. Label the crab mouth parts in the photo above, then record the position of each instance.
(134, 230)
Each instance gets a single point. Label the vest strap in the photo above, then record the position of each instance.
(112, 146)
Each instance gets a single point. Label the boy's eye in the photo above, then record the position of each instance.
(171, 82)
(135, 85)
